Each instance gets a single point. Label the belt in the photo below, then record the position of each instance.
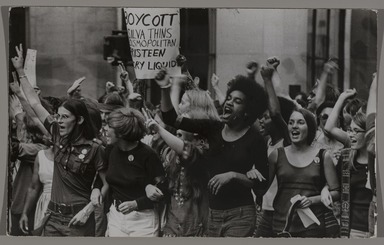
(65, 208)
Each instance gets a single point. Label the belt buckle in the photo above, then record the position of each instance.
(60, 208)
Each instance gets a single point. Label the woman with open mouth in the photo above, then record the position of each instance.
(77, 159)
(234, 147)
(301, 171)
(354, 162)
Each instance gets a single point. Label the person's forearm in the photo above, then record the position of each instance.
(31, 113)
(166, 103)
(31, 198)
(172, 141)
(372, 98)
(273, 102)
(129, 87)
(21, 131)
(334, 116)
(321, 89)
(331, 128)
(219, 95)
(29, 92)
(242, 179)
(335, 195)
(104, 191)
(279, 86)
(32, 96)
(315, 199)
(88, 209)
(105, 188)
(175, 97)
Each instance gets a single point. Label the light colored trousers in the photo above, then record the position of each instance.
(142, 223)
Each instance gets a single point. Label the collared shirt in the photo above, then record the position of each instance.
(75, 166)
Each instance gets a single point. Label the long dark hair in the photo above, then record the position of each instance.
(78, 109)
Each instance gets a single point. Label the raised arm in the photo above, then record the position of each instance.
(172, 141)
(273, 103)
(163, 80)
(331, 128)
(75, 91)
(270, 77)
(127, 89)
(176, 89)
(27, 107)
(215, 85)
(251, 69)
(329, 69)
(29, 92)
(372, 99)
(16, 113)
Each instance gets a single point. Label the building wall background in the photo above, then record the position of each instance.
(69, 43)
(363, 52)
(255, 34)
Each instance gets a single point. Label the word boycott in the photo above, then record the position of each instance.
(148, 19)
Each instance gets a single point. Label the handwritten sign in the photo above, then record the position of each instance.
(30, 66)
(154, 39)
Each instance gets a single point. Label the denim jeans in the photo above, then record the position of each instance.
(57, 225)
(101, 221)
(235, 222)
(264, 228)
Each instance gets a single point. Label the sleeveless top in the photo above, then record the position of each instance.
(45, 176)
(293, 180)
(45, 172)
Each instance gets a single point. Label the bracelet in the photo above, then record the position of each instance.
(23, 76)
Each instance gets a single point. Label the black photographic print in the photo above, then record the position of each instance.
(192, 122)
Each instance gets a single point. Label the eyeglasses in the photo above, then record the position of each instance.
(355, 131)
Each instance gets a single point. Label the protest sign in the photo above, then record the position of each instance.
(30, 66)
(154, 38)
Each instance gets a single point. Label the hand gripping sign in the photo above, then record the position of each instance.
(154, 39)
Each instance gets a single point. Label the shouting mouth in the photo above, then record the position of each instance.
(227, 113)
(295, 134)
